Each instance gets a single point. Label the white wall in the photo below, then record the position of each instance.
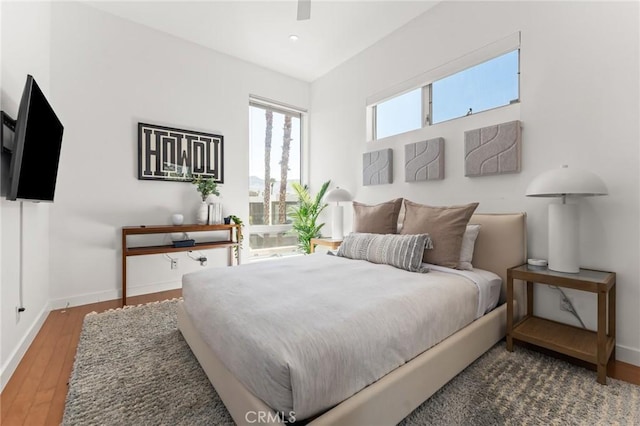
(579, 106)
(25, 29)
(107, 74)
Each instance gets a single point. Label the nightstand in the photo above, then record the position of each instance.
(325, 242)
(594, 347)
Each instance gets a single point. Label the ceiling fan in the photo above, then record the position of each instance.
(304, 10)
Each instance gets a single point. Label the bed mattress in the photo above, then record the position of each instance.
(305, 333)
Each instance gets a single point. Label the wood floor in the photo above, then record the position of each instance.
(36, 393)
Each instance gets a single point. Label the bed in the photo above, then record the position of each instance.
(389, 398)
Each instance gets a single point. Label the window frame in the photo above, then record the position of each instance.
(297, 112)
(375, 112)
(425, 81)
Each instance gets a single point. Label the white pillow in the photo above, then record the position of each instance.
(468, 244)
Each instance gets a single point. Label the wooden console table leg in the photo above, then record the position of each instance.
(124, 268)
(612, 319)
(602, 337)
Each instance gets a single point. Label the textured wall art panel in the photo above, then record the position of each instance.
(493, 150)
(424, 160)
(377, 167)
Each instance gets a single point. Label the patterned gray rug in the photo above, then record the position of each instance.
(133, 367)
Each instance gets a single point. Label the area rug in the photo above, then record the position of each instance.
(134, 368)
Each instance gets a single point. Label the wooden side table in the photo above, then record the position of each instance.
(594, 347)
(326, 242)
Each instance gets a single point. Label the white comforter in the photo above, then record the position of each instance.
(305, 333)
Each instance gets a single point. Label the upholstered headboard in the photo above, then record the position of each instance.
(501, 244)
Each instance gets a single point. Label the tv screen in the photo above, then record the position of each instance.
(36, 150)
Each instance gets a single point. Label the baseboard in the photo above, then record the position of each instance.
(628, 355)
(153, 288)
(10, 366)
(88, 298)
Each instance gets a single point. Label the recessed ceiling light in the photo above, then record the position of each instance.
(293, 37)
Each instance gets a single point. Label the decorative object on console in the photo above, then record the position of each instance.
(377, 167)
(188, 152)
(206, 186)
(202, 214)
(177, 219)
(493, 150)
(178, 236)
(337, 215)
(424, 160)
(306, 213)
(184, 243)
(563, 218)
(215, 214)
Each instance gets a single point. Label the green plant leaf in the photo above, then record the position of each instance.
(305, 214)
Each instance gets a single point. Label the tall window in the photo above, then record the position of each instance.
(275, 141)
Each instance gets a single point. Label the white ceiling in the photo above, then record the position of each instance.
(258, 31)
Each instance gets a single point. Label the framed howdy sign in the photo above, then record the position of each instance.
(165, 153)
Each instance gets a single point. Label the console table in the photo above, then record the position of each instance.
(232, 242)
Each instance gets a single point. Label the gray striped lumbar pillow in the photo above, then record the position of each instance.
(401, 251)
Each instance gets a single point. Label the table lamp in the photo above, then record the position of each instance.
(563, 218)
(337, 195)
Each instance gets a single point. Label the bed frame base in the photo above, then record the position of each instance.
(501, 244)
(386, 401)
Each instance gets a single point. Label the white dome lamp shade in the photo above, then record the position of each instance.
(337, 195)
(563, 218)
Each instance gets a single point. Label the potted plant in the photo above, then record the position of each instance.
(206, 186)
(239, 236)
(306, 213)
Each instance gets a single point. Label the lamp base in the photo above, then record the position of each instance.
(337, 230)
(563, 238)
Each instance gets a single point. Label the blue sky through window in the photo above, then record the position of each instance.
(399, 114)
(488, 85)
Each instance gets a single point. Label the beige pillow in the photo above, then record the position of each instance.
(378, 219)
(445, 225)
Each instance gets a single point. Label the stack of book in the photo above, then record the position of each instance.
(215, 214)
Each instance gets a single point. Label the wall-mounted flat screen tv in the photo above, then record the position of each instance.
(36, 147)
